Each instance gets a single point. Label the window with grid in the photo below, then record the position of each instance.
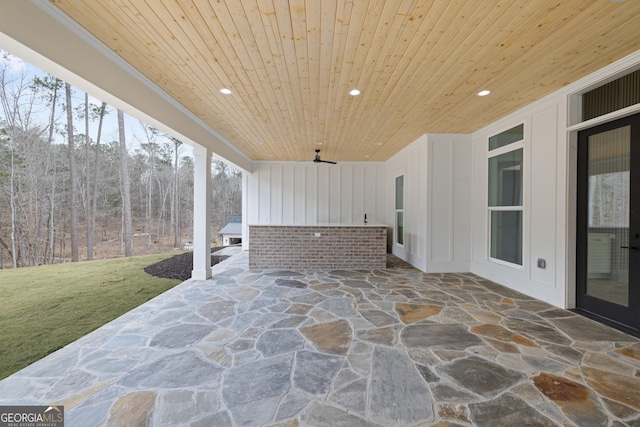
(505, 201)
(399, 225)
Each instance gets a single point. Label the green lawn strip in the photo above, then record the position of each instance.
(45, 308)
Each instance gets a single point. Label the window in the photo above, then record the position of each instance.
(505, 201)
(606, 207)
(399, 228)
(507, 137)
(609, 179)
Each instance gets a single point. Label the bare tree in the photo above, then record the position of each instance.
(12, 198)
(87, 112)
(4, 150)
(10, 107)
(175, 205)
(149, 146)
(87, 179)
(51, 222)
(127, 234)
(53, 85)
(22, 152)
(73, 208)
(100, 112)
(226, 193)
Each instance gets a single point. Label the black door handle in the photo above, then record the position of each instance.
(633, 248)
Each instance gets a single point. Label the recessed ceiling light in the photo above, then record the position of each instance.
(366, 156)
(258, 142)
(484, 92)
(226, 91)
(318, 143)
(354, 92)
(378, 143)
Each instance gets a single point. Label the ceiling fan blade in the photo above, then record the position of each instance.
(318, 160)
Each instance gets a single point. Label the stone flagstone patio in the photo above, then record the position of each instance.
(392, 347)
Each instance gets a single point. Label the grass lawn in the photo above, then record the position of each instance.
(45, 308)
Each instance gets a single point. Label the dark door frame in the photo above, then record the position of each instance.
(626, 317)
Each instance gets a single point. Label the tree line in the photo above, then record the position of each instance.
(67, 186)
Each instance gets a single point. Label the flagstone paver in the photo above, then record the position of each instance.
(392, 347)
(398, 395)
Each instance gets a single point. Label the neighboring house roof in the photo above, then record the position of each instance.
(232, 228)
(233, 225)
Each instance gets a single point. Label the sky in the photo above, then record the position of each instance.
(133, 127)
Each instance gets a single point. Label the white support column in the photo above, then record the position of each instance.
(201, 213)
(245, 211)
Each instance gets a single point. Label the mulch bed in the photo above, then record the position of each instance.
(179, 266)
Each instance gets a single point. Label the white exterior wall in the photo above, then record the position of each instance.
(449, 203)
(309, 193)
(437, 202)
(544, 206)
(412, 163)
(551, 128)
(446, 217)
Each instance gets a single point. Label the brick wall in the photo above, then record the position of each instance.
(298, 247)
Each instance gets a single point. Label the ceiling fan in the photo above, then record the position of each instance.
(319, 160)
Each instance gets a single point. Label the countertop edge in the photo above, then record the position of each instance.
(318, 225)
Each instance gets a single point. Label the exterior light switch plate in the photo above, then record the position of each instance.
(317, 234)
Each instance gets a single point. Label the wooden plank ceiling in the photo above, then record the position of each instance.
(418, 63)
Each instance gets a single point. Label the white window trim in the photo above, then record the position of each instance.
(497, 152)
(395, 211)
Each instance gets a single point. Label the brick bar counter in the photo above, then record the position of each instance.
(309, 247)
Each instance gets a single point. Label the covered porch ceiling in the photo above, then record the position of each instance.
(419, 64)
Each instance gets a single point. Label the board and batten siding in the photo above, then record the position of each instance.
(551, 127)
(411, 162)
(544, 208)
(449, 217)
(309, 193)
(437, 202)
